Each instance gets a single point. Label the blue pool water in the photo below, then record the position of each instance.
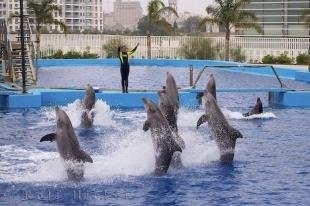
(271, 167)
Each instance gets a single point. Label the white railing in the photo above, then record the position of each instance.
(255, 48)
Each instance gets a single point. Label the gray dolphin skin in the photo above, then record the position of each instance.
(90, 98)
(162, 137)
(210, 88)
(89, 101)
(169, 106)
(225, 136)
(257, 109)
(169, 102)
(68, 144)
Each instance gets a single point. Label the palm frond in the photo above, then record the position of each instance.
(249, 25)
(212, 10)
(165, 26)
(167, 9)
(241, 4)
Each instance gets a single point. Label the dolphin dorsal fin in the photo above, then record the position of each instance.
(49, 137)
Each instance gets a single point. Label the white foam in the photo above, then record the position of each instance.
(237, 115)
(126, 153)
(103, 114)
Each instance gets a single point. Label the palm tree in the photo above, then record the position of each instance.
(156, 11)
(43, 10)
(229, 14)
(306, 17)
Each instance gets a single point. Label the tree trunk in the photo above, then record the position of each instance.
(227, 45)
(149, 46)
(37, 44)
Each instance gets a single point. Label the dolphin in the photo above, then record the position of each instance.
(68, 145)
(169, 106)
(257, 109)
(210, 88)
(169, 101)
(225, 135)
(162, 137)
(89, 101)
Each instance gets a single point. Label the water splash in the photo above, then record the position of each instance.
(237, 115)
(103, 113)
(125, 154)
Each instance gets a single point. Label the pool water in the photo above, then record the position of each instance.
(271, 166)
(151, 78)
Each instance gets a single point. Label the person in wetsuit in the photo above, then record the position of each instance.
(123, 55)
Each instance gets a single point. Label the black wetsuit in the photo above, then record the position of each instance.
(123, 57)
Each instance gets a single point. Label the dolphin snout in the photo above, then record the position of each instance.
(144, 100)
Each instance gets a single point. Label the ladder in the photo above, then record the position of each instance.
(16, 59)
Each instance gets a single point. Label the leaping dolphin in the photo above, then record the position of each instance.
(169, 106)
(210, 88)
(225, 136)
(68, 145)
(89, 101)
(162, 136)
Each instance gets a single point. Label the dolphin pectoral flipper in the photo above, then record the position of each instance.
(201, 120)
(84, 157)
(235, 133)
(175, 147)
(146, 125)
(49, 137)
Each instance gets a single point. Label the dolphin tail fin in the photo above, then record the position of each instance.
(49, 137)
(84, 157)
(202, 120)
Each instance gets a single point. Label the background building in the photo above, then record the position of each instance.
(8, 7)
(171, 17)
(127, 13)
(278, 17)
(78, 15)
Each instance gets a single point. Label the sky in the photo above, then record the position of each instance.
(193, 6)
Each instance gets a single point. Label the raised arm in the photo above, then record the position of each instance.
(134, 49)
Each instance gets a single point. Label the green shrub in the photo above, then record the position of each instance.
(57, 55)
(196, 48)
(303, 59)
(112, 45)
(236, 54)
(282, 59)
(72, 55)
(269, 59)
